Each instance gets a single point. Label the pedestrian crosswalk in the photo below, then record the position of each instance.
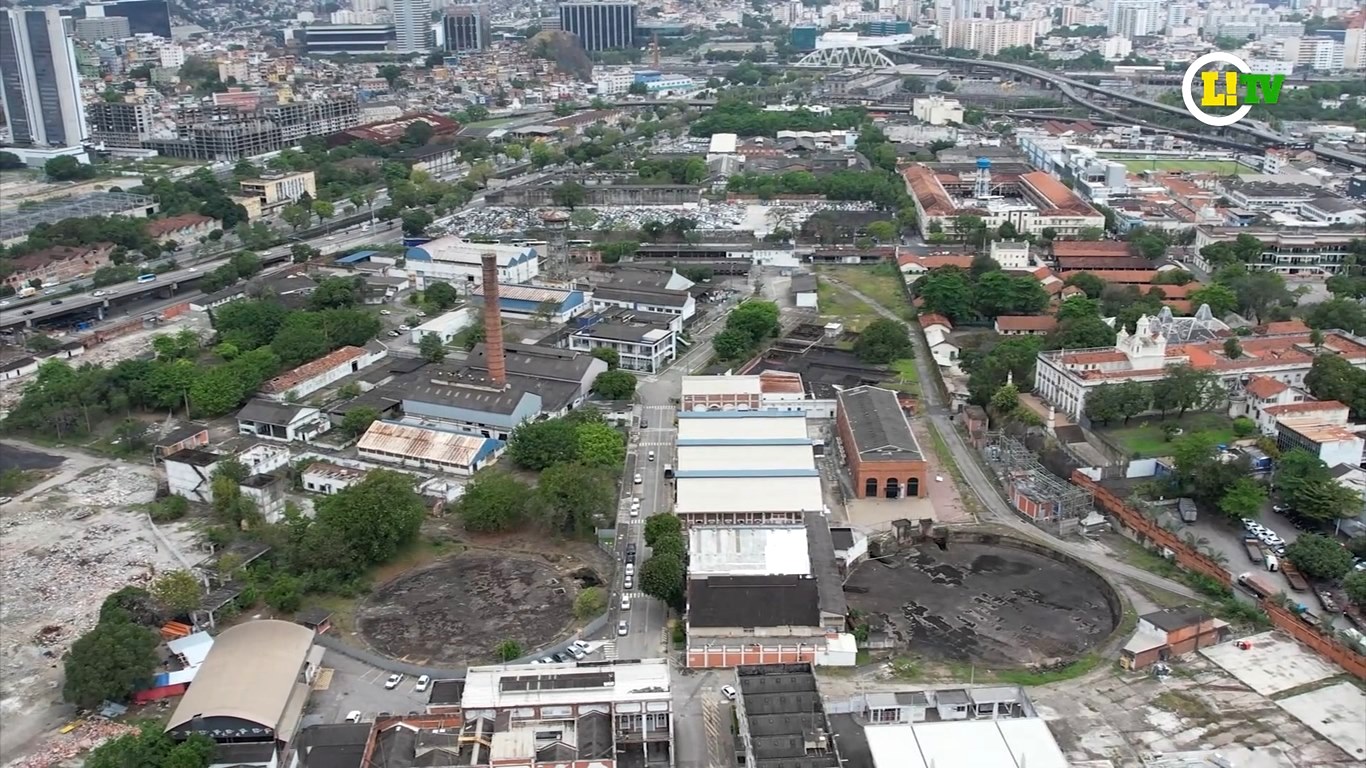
(634, 594)
(609, 650)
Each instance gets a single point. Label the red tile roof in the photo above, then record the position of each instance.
(1056, 194)
(1309, 407)
(1265, 387)
(932, 319)
(933, 262)
(1099, 249)
(291, 379)
(1026, 323)
(160, 227)
(928, 191)
(1287, 326)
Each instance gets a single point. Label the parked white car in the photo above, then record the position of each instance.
(422, 683)
(393, 681)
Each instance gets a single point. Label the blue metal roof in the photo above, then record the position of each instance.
(720, 473)
(418, 254)
(356, 257)
(720, 441)
(741, 415)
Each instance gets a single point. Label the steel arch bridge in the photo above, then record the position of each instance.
(847, 57)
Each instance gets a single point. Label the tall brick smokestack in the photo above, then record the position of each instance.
(493, 322)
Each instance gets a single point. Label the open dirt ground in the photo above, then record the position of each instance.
(984, 604)
(64, 546)
(455, 611)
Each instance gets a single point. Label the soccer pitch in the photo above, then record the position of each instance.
(1139, 164)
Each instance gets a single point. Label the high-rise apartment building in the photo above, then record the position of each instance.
(119, 124)
(600, 26)
(467, 28)
(412, 25)
(1321, 54)
(989, 36)
(1136, 18)
(39, 84)
(102, 28)
(145, 17)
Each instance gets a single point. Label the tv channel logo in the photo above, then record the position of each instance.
(1235, 86)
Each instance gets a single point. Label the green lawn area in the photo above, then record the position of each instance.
(839, 306)
(907, 377)
(1144, 438)
(881, 284)
(1139, 164)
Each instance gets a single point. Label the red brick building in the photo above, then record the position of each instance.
(58, 263)
(883, 455)
(1162, 635)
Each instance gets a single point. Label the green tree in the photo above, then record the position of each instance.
(374, 518)
(285, 594)
(1220, 298)
(599, 445)
(615, 385)
(1083, 333)
(663, 577)
(882, 341)
(296, 215)
(109, 662)
(440, 296)
(136, 604)
(494, 501)
(1190, 388)
(947, 291)
(660, 527)
(1319, 557)
(359, 419)
(1092, 285)
(756, 319)
(1243, 499)
(415, 222)
(732, 344)
(431, 348)
(882, 231)
(508, 650)
(68, 168)
(609, 356)
(1191, 451)
(1355, 587)
(1006, 400)
(152, 747)
(569, 194)
(1232, 349)
(590, 603)
(1332, 377)
(179, 592)
(575, 499)
(336, 293)
(536, 445)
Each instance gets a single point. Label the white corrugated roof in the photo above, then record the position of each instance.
(757, 427)
(720, 385)
(749, 494)
(746, 457)
(748, 550)
(723, 142)
(1005, 743)
(421, 443)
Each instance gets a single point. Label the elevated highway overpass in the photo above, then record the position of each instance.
(1073, 90)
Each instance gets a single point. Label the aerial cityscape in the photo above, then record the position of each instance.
(683, 384)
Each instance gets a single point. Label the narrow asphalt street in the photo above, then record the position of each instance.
(982, 485)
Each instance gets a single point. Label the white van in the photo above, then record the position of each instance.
(1272, 563)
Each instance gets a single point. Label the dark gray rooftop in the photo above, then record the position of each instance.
(879, 426)
(536, 362)
(753, 601)
(266, 412)
(783, 713)
(654, 296)
(803, 283)
(194, 457)
(829, 584)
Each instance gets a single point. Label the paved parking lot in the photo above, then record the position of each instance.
(357, 686)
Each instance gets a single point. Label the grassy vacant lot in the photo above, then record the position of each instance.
(1138, 165)
(881, 283)
(840, 306)
(1144, 437)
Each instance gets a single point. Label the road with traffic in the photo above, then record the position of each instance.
(121, 298)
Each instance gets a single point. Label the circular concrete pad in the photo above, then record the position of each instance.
(455, 611)
(996, 603)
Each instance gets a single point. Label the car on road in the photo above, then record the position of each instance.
(580, 644)
(622, 629)
(385, 312)
(728, 691)
(98, 294)
(404, 328)
(638, 479)
(628, 582)
(625, 603)
(547, 660)
(353, 716)
(6, 499)
(27, 312)
(635, 510)
(55, 301)
(422, 683)
(393, 681)
(395, 334)
(575, 651)
(4, 303)
(559, 657)
(630, 569)
(652, 455)
(49, 291)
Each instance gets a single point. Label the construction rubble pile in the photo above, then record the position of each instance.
(64, 748)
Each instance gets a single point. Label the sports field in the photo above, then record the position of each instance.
(1140, 164)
